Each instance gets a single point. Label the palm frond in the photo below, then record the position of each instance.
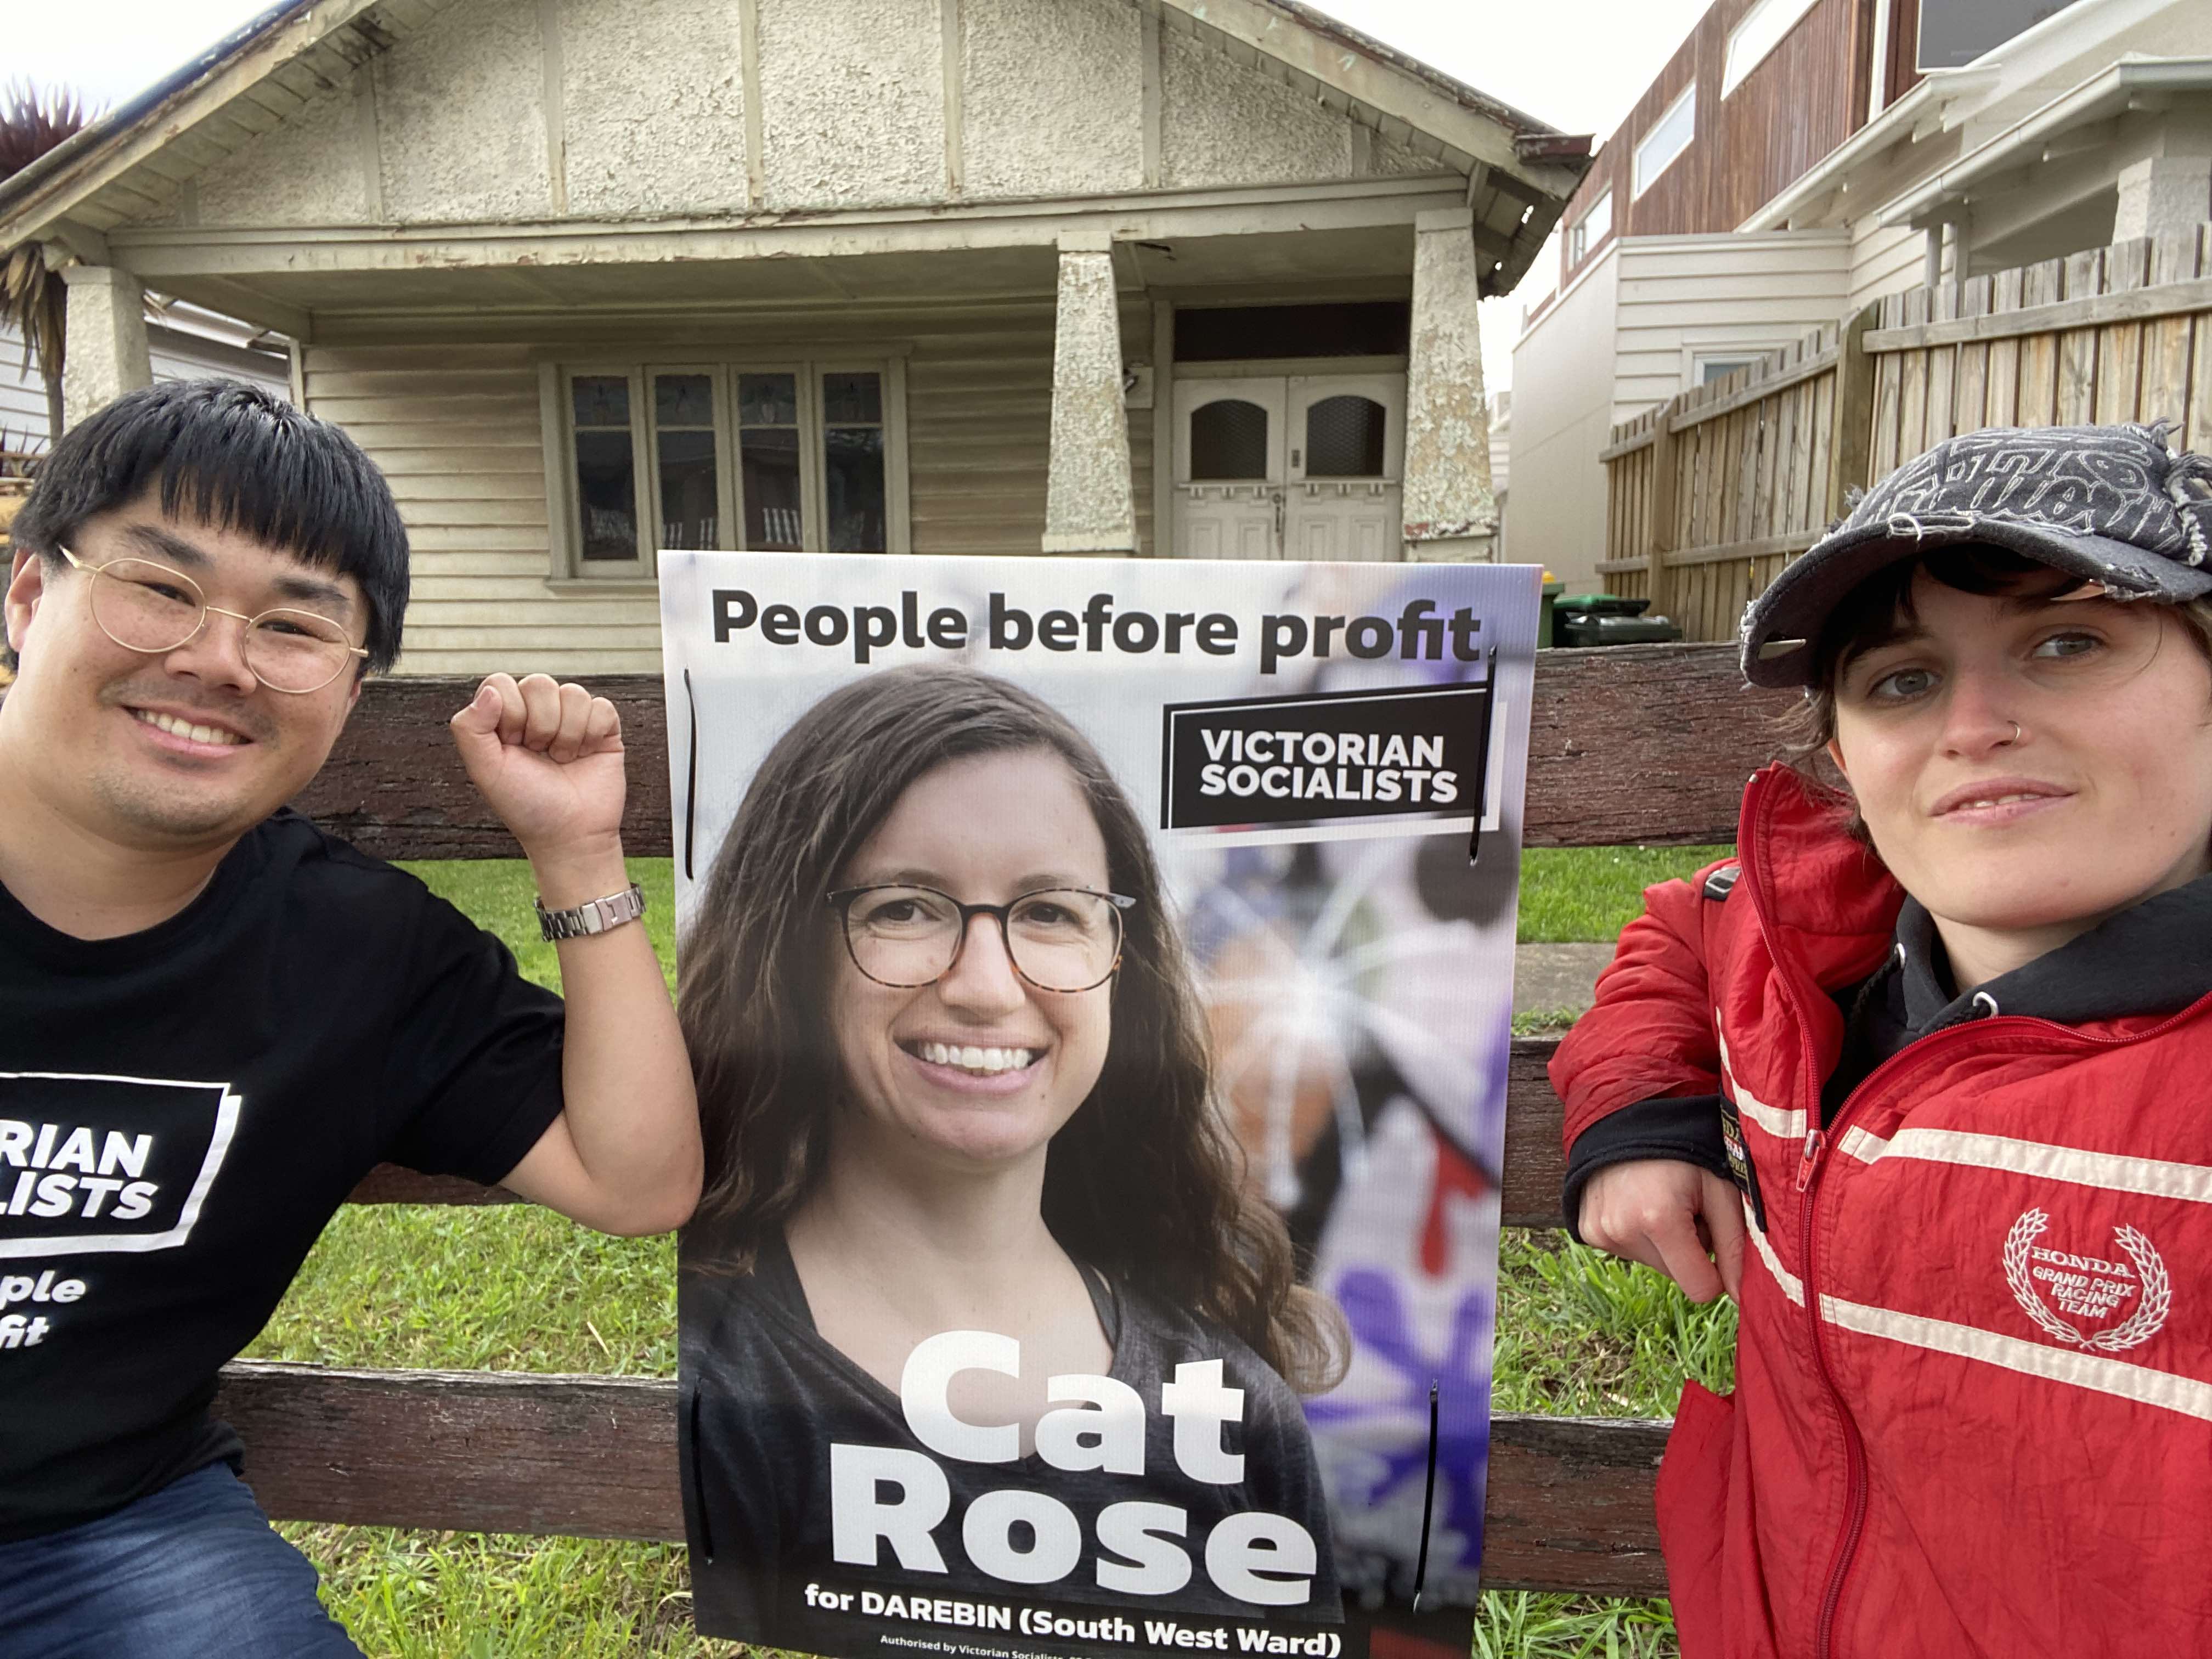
(33, 120)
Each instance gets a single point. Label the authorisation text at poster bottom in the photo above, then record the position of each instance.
(1088, 1626)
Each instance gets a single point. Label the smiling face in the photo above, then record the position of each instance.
(183, 747)
(981, 1069)
(2028, 765)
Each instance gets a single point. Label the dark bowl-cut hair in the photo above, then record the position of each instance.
(239, 459)
(756, 968)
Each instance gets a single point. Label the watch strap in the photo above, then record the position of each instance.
(592, 916)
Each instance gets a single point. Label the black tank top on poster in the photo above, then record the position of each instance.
(765, 1398)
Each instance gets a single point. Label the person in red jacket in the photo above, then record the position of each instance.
(1922, 1080)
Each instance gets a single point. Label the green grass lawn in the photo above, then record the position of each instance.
(498, 895)
(1577, 895)
(521, 1289)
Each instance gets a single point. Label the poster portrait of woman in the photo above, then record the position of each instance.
(981, 1302)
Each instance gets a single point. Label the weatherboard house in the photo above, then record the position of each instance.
(593, 278)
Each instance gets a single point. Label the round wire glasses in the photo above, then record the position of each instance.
(150, 608)
(1059, 939)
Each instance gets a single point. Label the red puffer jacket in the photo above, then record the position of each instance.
(1973, 1403)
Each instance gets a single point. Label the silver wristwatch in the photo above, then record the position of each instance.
(592, 916)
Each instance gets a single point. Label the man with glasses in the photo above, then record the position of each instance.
(214, 1018)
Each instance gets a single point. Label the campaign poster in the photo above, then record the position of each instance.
(1099, 976)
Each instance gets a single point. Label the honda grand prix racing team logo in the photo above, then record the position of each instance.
(2072, 1295)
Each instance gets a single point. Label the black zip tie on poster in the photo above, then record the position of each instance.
(690, 776)
(1482, 755)
(699, 1482)
(1428, 1498)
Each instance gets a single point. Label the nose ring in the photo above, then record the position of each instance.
(2015, 732)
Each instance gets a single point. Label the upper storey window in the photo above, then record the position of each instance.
(1759, 32)
(1669, 136)
(1589, 230)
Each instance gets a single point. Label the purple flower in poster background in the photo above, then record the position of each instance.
(1360, 994)
(1362, 1063)
(1392, 1479)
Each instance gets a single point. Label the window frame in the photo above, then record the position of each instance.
(821, 369)
(1640, 178)
(1705, 363)
(1580, 244)
(806, 382)
(726, 484)
(1699, 349)
(1735, 68)
(565, 495)
(558, 369)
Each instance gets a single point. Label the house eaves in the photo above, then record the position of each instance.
(2131, 84)
(1519, 171)
(1944, 101)
(1918, 115)
(135, 161)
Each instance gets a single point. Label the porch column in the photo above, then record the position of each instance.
(1451, 516)
(1089, 504)
(107, 353)
(2167, 192)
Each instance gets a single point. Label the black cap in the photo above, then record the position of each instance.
(2110, 504)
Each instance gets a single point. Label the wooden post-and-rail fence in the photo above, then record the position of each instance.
(1710, 494)
(1647, 743)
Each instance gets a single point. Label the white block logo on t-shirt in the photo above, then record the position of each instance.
(91, 1163)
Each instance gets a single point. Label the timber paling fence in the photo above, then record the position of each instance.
(1634, 744)
(1710, 494)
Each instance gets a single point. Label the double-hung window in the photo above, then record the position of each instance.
(720, 452)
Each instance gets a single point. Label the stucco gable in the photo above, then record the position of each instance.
(648, 115)
(534, 113)
(653, 106)
(1063, 122)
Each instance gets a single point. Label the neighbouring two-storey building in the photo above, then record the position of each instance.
(1796, 159)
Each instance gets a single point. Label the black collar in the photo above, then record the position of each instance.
(2155, 958)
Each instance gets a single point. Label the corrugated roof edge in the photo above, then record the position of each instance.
(148, 106)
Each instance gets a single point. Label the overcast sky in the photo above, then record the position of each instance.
(1579, 64)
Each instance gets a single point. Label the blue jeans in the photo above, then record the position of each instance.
(191, 1571)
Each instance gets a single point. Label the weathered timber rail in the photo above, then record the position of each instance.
(1637, 744)
(595, 1456)
(1646, 744)
(1535, 1165)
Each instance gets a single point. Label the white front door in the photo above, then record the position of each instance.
(1302, 466)
(1228, 465)
(1347, 461)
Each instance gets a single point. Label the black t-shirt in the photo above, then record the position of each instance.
(765, 1398)
(183, 1110)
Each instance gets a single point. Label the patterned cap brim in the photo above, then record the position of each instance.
(1782, 627)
